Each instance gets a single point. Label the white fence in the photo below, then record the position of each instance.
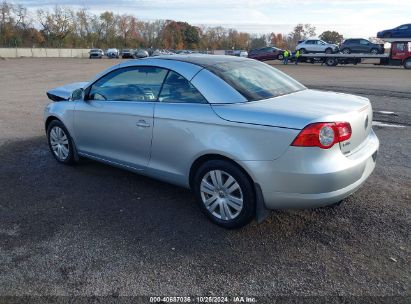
(43, 52)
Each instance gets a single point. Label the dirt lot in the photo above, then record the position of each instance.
(93, 229)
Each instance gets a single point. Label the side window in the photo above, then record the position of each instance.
(309, 42)
(178, 89)
(401, 47)
(364, 42)
(129, 84)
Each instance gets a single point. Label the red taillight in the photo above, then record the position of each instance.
(323, 134)
(344, 130)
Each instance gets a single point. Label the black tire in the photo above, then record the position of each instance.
(331, 62)
(374, 51)
(69, 160)
(247, 212)
(328, 51)
(280, 57)
(303, 51)
(407, 64)
(346, 51)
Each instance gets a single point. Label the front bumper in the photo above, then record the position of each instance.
(311, 177)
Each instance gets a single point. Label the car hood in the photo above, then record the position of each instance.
(293, 111)
(64, 92)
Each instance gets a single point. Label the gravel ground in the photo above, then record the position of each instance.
(92, 229)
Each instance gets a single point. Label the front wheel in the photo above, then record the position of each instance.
(60, 143)
(280, 57)
(407, 64)
(328, 51)
(346, 51)
(303, 51)
(225, 193)
(374, 51)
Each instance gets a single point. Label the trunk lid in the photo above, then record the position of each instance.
(297, 110)
(64, 92)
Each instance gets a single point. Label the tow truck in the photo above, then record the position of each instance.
(399, 54)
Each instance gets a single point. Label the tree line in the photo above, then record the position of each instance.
(66, 27)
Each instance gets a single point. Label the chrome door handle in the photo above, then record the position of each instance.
(142, 124)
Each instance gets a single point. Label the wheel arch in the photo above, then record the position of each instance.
(213, 156)
(49, 120)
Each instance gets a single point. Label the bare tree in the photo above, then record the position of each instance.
(56, 24)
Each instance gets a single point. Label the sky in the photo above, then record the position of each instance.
(352, 18)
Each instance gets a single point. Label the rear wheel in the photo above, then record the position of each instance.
(225, 193)
(407, 63)
(60, 143)
(331, 62)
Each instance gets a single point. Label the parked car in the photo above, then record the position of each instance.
(158, 52)
(127, 53)
(360, 45)
(267, 53)
(140, 53)
(316, 46)
(96, 53)
(402, 31)
(243, 54)
(113, 53)
(184, 52)
(241, 134)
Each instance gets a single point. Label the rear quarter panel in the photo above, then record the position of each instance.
(184, 132)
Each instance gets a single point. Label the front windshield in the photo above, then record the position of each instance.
(255, 80)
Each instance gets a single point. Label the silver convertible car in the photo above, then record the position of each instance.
(242, 135)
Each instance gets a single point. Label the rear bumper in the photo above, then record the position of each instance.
(309, 177)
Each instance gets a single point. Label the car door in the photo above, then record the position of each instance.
(309, 46)
(256, 54)
(364, 46)
(320, 46)
(115, 120)
(354, 46)
(263, 54)
(180, 114)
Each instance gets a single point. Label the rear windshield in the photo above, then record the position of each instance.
(255, 80)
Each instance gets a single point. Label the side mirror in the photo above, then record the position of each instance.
(77, 94)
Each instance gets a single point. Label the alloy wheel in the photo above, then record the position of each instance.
(59, 143)
(221, 194)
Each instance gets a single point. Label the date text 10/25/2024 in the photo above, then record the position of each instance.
(203, 299)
